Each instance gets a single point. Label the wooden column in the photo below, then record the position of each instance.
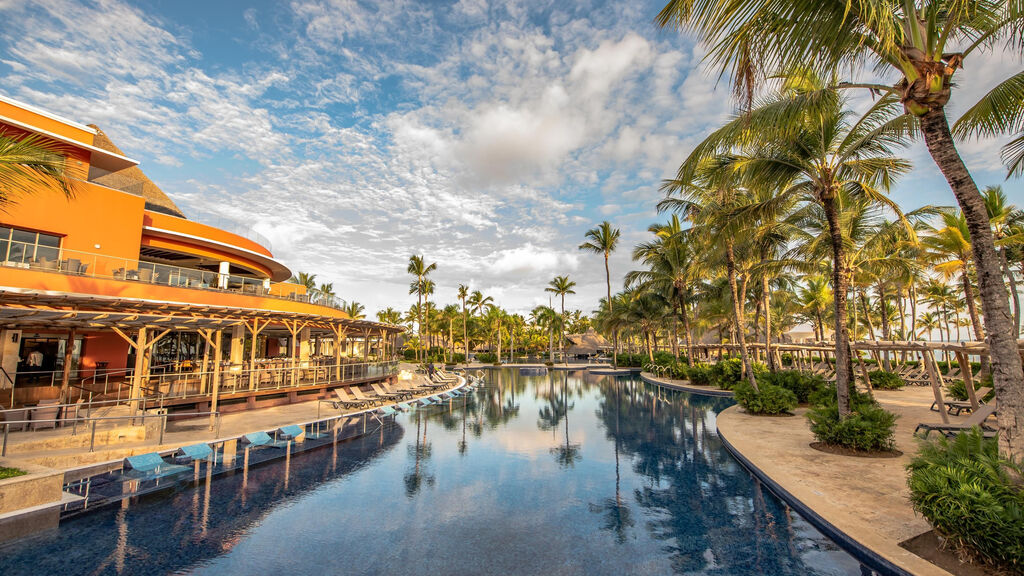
(965, 370)
(217, 354)
(933, 374)
(65, 380)
(140, 363)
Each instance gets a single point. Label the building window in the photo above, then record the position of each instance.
(27, 247)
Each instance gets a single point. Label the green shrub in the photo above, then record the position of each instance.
(729, 372)
(698, 374)
(409, 354)
(767, 399)
(456, 358)
(801, 384)
(486, 357)
(663, 358)
(964, 488)
(882, 380)
(10, 472)
(957, 389)
(631, 360)
(787, 359)
(868, 428)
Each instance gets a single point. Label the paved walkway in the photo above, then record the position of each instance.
(865, 498)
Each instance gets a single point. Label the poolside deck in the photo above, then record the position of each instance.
(864, 498)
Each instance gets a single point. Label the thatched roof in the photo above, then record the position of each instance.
(132, 180)
(589, 342)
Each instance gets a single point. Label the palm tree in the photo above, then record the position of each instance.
(549, 321)
(814, 298)
(1003, 217)
(355, 310)
(561, 286)
(420, 269)
(389, 316)
(325, 293)
(949, 248)
(804, 142)
(603, 240)
(463, 293)
(753, 40)
(30, 163)
(305, 279)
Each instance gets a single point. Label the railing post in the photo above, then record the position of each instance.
(92, 437)
(3, 452)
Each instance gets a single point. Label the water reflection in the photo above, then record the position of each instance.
(561, 473)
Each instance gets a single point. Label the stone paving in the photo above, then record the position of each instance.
(865, 498)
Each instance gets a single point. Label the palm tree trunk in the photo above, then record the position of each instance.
(561, 333)
(419, 314)
(1007, 373)
(465, 333)
(766, 297)
(730, 260)
(972, 310)
(686, 328)
(611, 310)
(885, 325)
(1013, 292)
(867, 313)
(840, 286)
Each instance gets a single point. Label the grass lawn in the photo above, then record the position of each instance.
(10, 472)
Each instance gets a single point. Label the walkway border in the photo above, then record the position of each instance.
(705, 390)
(862, 553)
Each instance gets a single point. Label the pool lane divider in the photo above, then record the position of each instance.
(862, 553)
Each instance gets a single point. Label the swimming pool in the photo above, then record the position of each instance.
(563, 473)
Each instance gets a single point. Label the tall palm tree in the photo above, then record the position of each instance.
(549, 321)
(463, 293)
(420, 269)
(325, 293)
(753, 40)
(603, 240)
(30, 163)
(561, 286)
(305, 279)
(949, 248)
(1003, 217)
(389, 316)
(805, 143)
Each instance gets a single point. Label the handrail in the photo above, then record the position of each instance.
(95, 265)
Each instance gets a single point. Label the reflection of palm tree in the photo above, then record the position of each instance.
(618, 516)
(420, 451)
(566, 455)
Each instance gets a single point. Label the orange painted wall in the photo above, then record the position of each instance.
(107, 347)
(96, 215)
(166, 222)
(49, 124)
(286, 288)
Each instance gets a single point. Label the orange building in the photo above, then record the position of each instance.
(89, 281)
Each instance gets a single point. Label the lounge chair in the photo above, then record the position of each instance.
(955, 407)
(406, 406)
(977, 418)
(370, 400)
(262, 440)
(149, 467)
(293, 432)
(387, 411)
(46, 413)
(385, 394)
(193, 453)
(345, 402)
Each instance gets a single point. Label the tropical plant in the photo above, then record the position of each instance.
(560, 286)
(421, 270)
(924, 42)
(766, 399)
(355, 310)
(31, 163)
(603, 240)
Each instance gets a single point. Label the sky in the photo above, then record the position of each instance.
(487, 136)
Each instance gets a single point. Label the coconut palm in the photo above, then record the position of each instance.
(463, 293)
(805, 143)
(603, 240)
(389, 316)
(753, 40)
(561, 286)
(1003, 217)
(420, 269)
(949, 249)
(549, 321)
(30, 163)
(305, 279)
(814, 297)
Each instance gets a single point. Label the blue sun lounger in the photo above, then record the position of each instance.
(290, 432)
(262, 439)
(149, 467)
(193, 453)
(387, 411)
(406, 406)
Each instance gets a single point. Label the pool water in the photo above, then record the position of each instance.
(563, 473)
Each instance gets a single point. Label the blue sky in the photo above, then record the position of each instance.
(487, 136)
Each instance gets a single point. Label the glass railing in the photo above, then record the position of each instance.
(77, 263)
(232, 226)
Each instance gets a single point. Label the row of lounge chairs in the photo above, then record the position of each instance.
(153, 466)
(977, 418)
